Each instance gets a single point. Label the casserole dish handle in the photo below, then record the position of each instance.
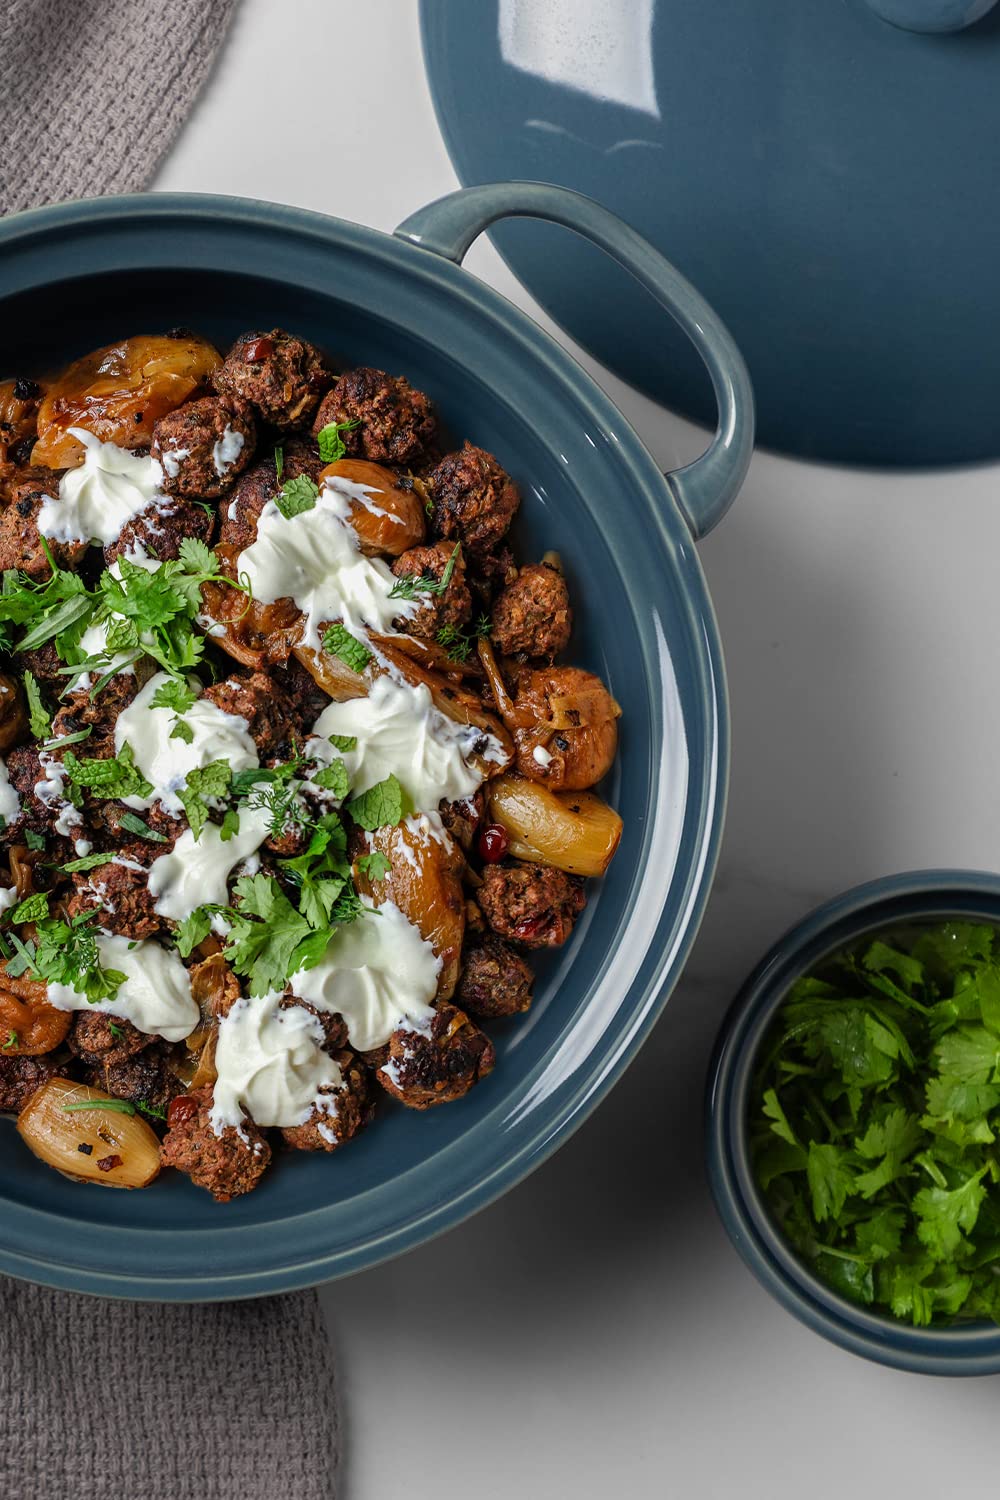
(704, 489)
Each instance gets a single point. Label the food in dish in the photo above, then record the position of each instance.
(292, 780)
(874, 1118)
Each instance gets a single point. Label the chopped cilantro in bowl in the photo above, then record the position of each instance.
(854, 1121)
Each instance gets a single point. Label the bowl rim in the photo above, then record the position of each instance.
(710, 788)
(966, 1349)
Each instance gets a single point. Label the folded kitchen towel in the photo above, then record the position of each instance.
(92, 92)
(108, 1400)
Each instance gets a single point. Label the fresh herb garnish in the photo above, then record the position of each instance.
(343, 742)
(193, 930)
(296, 495)
(269, 940)
(279, 462)
(340, 642)
(331, 445)
(31, 909)
(412, 585)
(132, 824)
(178, 697)
(322, 872)
(108, 778)
(874, 1122)
(39, 718)
(115, 1106)
(375, 865)
(116, 1032)
(382, 806)
(333, 779)
(203, 784)
(66, 953)
(12, 1040)
(459, 643)
(58, 609)
(87, 862)
(34, 840)
(151, 1110)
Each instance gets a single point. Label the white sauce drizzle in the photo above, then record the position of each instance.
(541, 756)
(8, 897)
(378, 973)
(165, 762)
(10, 802)
(271, 1066)
(155, 994)
(314, 559)
(399, 732)
(196, 874)
(96, 499)
(227, 450)
(171, 458)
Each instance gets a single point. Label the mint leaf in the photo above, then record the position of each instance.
(31, 909)
(108, 778)
(382, 806)
(204, 784)
(331, 444)
(297, 495)
(343, 742)
(142, 830)
(333, 779)
(340, 642)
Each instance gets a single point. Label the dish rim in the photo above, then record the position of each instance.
(386, 252)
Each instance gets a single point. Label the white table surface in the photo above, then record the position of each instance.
(593, 1333)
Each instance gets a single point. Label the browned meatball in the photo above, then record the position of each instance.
(435, 1067)
(350, 1107)
(453, 607)
(305, 700)
(241, 510)
(257, 698)
(204, 446)
(20, 1077)
(45, 664)
(225, 1165)
(98, 1038)
(533, 904)
(474, 499)
(144, 1079)
(495, 981)
(159, 530)
(80, 711)
(396, 424)
(462, 819)
(20, 540)
(40, 814)
(119, 890)
(532, 617)
(13, 715)
(280, 376)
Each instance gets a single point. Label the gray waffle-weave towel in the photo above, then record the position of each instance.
(135, 1401)
(92, 92)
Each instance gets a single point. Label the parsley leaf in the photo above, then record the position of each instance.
(267, 934)
(375, 865)
(204, 784)
(382, 806)
(340, 642)
(39, 718)
(194, 929)
(297, 495)
(331, 445)
(67, 953)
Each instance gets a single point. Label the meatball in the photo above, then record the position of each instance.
(204, 446)
(305, 699)
(395, 424)
(80, 711)
(495, 981)
(143, 1079)
(225, 1165)
(424, 1068)
(350, 1108)
(21, 543)
(98, 1038)
(280, 376)
(257, 698)
(119, 891)
(40, 813)
(45, 664)
(20, 1077)
(532, 617)
(159, 530)
(13, 715)
(474, 499)
(453, 607)
(533, 904)
(241, 511)
(462, 819)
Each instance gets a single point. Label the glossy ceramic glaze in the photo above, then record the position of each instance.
(932, 15)
(924, 895)
(827, 180)
(80, 274)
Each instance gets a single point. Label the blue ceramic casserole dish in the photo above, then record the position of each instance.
(78, 275)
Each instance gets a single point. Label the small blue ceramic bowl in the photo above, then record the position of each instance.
(922, 895)
(79, 275)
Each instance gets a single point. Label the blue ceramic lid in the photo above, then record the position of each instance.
(826, 179)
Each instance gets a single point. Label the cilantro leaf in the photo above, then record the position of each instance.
(340, 642)
(297, 495)
(194, 929)
(39, 718)
(267, 933)
(68, 953)
(331, 445)
(382, 806)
